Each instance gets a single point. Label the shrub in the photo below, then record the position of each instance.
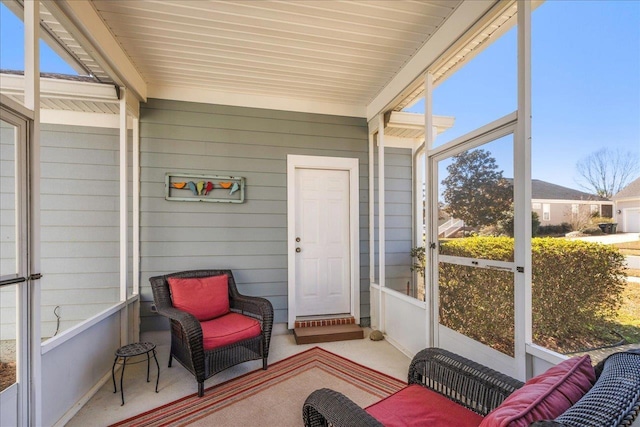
(575, 285)
(506, 224)
(600, 219)
(554, 230)
(474, 301)
(592, 231)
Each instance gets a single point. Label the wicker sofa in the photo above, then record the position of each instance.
(187, 341)
(614, 399)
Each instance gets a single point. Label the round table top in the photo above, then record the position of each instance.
(135, 349)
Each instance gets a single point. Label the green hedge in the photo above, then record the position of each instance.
(575, 285)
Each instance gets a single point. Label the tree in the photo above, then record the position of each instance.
(475, 190)
(606, 171)
(506, 224)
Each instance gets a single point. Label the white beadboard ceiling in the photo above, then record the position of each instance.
(324, 51)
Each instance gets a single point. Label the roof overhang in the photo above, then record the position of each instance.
(69, 102)
(82, 22)
(460, 36)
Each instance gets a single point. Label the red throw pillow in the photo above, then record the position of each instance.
(204, 297)
(546, 396)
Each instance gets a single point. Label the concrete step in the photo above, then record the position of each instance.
(316, 334)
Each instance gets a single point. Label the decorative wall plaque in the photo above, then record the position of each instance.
(203, 188)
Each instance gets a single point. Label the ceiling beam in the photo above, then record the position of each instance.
(411, 74)
(255, 101)
(82, 21)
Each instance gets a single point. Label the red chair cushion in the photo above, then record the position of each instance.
(546, 396)
(418, 406)
(228, 329)
(204, 297)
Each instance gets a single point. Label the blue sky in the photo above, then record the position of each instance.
(12, 42)
(585, 86)
(585, 75)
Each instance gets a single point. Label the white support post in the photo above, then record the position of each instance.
(136, 226)
(429, 271)
(124, 317)
(136, 205)
(30, 412)
(381, 221)
(417, 217)
(372, 212)
(522, 194)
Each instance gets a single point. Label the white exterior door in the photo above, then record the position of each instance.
(323, 246)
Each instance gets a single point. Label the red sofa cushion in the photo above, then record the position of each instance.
(418, 406)
(546, 396)
(228, 329)
(204, 297)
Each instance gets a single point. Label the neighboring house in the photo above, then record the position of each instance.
(556, 204)
(627, 205)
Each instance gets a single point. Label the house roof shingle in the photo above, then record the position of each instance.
(630, 191)
(546, 190)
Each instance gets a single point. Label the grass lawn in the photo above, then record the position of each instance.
(628, 248)
(626, 323)
(633, 272)
(628, 319)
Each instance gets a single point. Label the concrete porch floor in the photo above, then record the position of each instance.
(176, 382)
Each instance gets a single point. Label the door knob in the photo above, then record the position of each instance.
(298, 250)
(297, 239)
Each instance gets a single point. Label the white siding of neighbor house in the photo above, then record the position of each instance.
(561, 211)
(629, 217)
(249, 238)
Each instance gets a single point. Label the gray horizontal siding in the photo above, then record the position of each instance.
(80, 224)
(249, 238)
(398, 194)
(7, 222)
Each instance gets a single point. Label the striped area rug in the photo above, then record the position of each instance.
(274, 396)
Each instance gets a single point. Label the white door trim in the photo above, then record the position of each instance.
(332, 163)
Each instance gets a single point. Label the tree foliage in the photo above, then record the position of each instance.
(506, 224)
(606, 171)
(475, 190)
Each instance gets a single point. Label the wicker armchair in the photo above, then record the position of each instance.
(614, 400)
(186, 332)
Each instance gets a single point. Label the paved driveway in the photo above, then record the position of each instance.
(611, 238)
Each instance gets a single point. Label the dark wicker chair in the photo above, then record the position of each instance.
(186, 333)
(613, 401)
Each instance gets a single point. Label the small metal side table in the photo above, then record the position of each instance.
(132, 350)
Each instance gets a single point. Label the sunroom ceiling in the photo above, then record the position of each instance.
(317, 51)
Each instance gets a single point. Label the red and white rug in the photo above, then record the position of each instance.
(274, 396)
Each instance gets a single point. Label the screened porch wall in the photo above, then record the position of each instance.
(249, 238)
(398, 193)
